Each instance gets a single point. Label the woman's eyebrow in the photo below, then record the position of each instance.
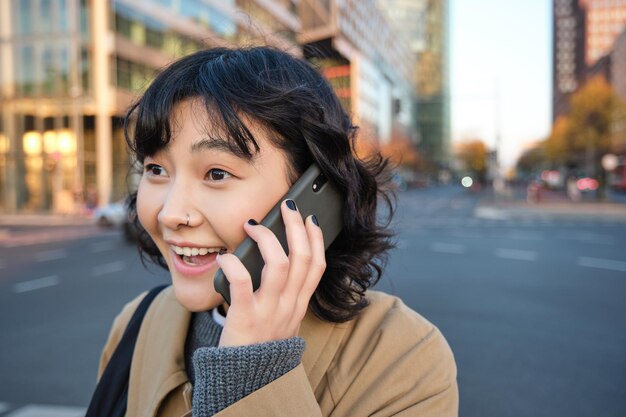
(217, 144)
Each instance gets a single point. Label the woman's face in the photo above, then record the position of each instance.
(198, 176)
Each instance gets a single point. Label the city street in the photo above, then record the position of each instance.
(531, 303)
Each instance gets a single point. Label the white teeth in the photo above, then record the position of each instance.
(195, 251)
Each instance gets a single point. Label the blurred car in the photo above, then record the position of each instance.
(111, 215)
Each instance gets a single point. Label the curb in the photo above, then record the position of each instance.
(600, 211)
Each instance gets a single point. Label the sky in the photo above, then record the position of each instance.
(500, 73)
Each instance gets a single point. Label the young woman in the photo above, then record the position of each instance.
(222, 135)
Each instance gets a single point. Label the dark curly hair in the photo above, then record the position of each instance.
(290, 98)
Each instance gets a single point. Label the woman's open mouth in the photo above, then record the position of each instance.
(195, 261)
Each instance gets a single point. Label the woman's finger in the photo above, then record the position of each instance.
(300, 256)
(276, 267)
(317, 265)
(239, 279)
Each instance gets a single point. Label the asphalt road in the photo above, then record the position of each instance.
(533, 308)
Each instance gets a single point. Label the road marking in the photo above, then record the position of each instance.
(51, 255)
(587, 237)
(599, 263)
(103, 246)
(447, 248)
(516, 254)
(109, 268)
(48, 411)
(36, 284)
(4, 407)
(491, 213)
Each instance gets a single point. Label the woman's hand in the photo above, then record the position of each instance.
(277, 308)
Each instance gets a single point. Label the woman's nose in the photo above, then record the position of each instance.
(176, 209)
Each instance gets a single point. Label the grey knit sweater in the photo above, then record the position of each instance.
(222, 376)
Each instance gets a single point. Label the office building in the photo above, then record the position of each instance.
(568, 53)
(423, 25)
(370, 67)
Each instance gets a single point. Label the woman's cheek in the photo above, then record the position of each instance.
(147, 206)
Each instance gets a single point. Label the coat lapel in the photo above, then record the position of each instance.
(158, 360)
(322, 341)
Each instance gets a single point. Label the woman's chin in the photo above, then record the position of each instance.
(198, 296)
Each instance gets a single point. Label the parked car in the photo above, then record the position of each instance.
(111, 215)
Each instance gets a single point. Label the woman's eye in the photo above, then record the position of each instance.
(155, 170)
(217, 174)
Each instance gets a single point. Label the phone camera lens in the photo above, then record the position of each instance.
(319, 182)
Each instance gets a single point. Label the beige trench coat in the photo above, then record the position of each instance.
(389, 361)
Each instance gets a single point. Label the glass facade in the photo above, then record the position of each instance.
(40, 79)
(50, 92)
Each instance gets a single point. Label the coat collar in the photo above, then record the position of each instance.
(158, 359)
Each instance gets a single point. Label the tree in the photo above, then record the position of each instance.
(593, 109)
(557, 146)
(401, 153)
(532, 159)
(473, 156)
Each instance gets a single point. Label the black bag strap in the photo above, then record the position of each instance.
(111, 395)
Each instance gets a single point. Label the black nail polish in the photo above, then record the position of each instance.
(292, 205)
(314, 219)
(253, 222)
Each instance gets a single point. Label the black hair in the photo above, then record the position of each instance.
(289, 98)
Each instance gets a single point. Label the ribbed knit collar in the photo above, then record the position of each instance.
(203, 332)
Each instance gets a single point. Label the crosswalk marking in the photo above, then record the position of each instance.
(448, 248)
(516, 254)
(47, 411)
(36, 284)
(610, 264)
(109, 268)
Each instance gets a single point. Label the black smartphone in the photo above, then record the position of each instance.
(313, 194)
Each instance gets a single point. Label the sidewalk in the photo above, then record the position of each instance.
(553, 205)
(43, 220)
(28, 229)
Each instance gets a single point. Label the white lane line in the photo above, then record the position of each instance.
(600, 263)
(48, 411)
(447, 248)
(516, 254)
(587, 237)
(109, 268)
(103, 246)
(50, 255)
(36, 284)
(4, 407)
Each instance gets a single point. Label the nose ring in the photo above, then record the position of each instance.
(187, 220)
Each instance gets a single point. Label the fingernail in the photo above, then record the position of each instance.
(253, 222)
(292, 205)
(314, 219)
